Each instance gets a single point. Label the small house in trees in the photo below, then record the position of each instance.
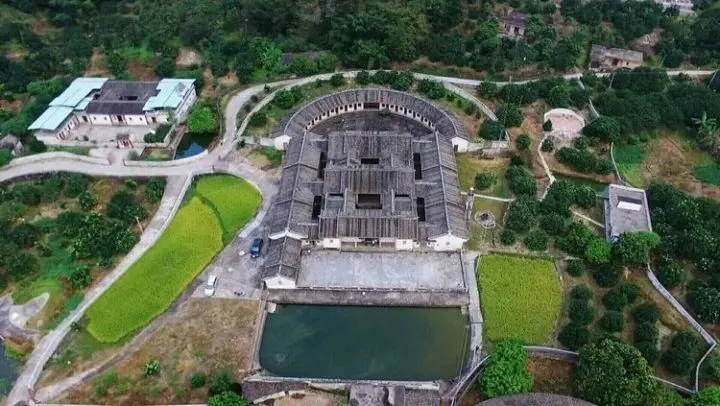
(513, 24)
(613, 58)
(626, 211)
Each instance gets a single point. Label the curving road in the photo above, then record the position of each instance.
(180, 173)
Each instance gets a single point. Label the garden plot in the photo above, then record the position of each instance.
(521, 297)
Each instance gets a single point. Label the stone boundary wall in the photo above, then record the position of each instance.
(46, 156)
(175, 162)
(368, 297)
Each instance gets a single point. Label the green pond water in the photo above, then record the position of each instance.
(358, 342)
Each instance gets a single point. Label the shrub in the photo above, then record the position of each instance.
(573, 336)
(559, 96)
(581, 142)
(580, 312)
(284, 99)
(634, 248)
(202, 121)
(607, 275)
(679, 358)
(604, 128)
(484, 180)
(598, 251)
(523, 142)
(581, 292)
(487, 89)
(80, 277)
(614, 300)
(575, 239)
(492, 130)
(547, 125)
(711, 367)
(506, 371)
(124, 207)
(362, 78)
(646, 313)
(152, 368)
(646, 332)
(87, 200)
(222, 381)
(612, 322)
(547, 146)
(521, 181)
(581, 160)
(631, 292)
(155, 189)
(337, 80)
(5, 157)
(575, 267)
(258, 119)
(198, 380)
(227, 399)
(521, 214)
(536, 240)
(24, 235)
(508, 237)
(510, 115)
(76, 184)
(432, 89)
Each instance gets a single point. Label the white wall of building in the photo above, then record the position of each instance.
(279, 282)
(448, 242)
(404, 245)
(331, 243)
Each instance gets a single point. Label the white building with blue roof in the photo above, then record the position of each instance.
(91, 102)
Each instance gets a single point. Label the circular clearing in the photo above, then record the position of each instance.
(485, 219)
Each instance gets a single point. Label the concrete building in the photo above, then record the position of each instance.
(603, 58)
(513, 24)
(108, 103)
(626, 211)
(685, 7)
(388, 189)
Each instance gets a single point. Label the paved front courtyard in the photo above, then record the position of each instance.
(385, 270)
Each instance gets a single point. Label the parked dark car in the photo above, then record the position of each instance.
(256, 248)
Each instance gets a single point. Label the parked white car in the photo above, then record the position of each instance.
(210, 285)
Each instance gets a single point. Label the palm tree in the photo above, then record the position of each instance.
(707, 131)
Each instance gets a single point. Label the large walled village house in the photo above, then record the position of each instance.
(103, 102)
(396, 189)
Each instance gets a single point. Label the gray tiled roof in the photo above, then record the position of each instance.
(599, 53)
(619, 221)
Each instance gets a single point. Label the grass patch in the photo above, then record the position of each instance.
(234, 200)
(72, 150)
(709, 174)
(191, 241)
(274, 156)
(521, 297)
(470, 164)
(629, 160)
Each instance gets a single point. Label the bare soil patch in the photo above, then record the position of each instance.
(141, 72)
(552, 376)
(188, 57)
(205, 335)
(96, 67)
(313, 398)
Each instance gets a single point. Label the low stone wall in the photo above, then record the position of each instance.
(175, 162)
(48, 156)
(369, 297)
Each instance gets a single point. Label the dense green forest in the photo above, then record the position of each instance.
(44, 39)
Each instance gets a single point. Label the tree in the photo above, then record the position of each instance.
(362, 78)
(76, 184)
(704, 301)
(536, 240)
(488, 89)
(680, 355)
(604, 128)
(80, 277)
(646, 313)
(706, 397)
(598, 251)
(492, 130)
(707, 130)
(523, 142)
(612, 373)
(227, 399)
(508, 237)
(24, 235)
(575, 267)
(202, 121)
(615, 300)
(612, 321)
(559, 96)
(580, 312)
(574, 336)
(484, 180)
(634, 248)
(124, 207)
(547, 126)
(582, 292)
(607, 275)
(547, 145)
(576, 239)
(521, 181)
(649, 351)
(646, 332)
(510, 115)
(284, 99)
(222, 382)
(554, 224)
(506, 371)
(155, 189)
(670, 273)
(521, 214)
(87, 200)
(20, 265)
(258, 119)
(432, 89)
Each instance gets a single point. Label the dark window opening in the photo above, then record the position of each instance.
(336, 195)
(375, 106)
(370, 161)
(321, 165)
(128, 98)
(317, 206)
(368, 202)
(402, 196)
(119, 118)
(418, 166)
(421, 209)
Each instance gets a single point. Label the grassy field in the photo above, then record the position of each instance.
(234, 200)
(470, 165)
(709, 174)
(521, 297)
